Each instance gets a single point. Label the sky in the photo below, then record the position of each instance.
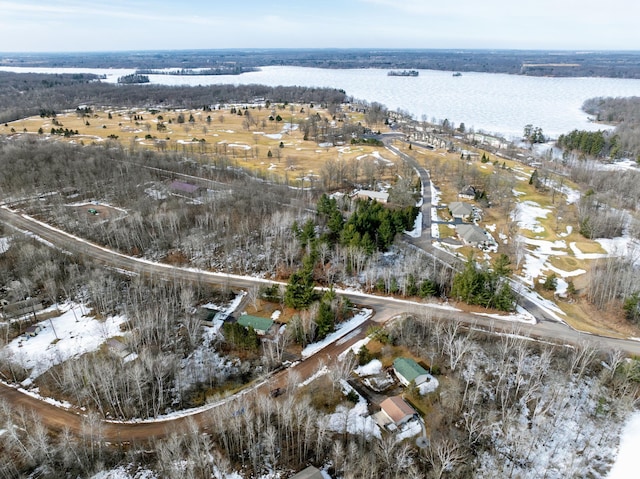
(115, 25)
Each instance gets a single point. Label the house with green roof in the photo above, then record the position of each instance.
(408, 370)
(261, 325)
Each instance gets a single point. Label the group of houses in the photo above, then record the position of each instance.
(395, 411)
(465, 216)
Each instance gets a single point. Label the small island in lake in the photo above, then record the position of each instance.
(403, 73)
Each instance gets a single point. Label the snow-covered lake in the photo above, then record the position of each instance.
(491, 102)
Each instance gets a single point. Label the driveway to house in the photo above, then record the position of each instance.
(385, 308)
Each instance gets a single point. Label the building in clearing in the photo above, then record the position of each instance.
(379, 196)
(394, 412)
(310, 472)
(473, 235)
(468, 193)
(185, 189)
(408, 370)
(261, 325)
(460, 210)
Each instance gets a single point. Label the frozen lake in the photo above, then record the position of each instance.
(491, 102)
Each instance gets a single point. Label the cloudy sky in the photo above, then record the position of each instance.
(101, 25)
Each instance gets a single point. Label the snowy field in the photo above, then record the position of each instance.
(626, 463)
(69, 335)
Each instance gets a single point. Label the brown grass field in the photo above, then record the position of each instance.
(298, 162)
(246, 145)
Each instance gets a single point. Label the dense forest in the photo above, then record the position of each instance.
(523, 62)
(23, 95)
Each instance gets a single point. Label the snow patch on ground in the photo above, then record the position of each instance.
(369, 369)
(342, 330)
(416, 232)
(526, 214)
(409, 429)
(626, 464)
(521, 315)
(67, 336)
(122, 473)
(4, 244)
(354, 349)
(355, 420)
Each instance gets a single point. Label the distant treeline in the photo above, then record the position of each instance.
(28, 94)
(534, 63)
(221, 70)
(133, 78)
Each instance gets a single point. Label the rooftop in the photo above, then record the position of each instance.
(256, 322)
(408, 368)
(472, 234)
(397, 408)
(309, 473)
(459, 208)
(183, 187)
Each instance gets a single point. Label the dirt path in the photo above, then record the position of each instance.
(56, 418)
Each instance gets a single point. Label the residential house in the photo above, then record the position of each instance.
(185, 189)
(394, 412)
(473, 235)
(460, 210)
(379, 196)
(310, 472)
(261, 325)
(408, 370)
(467, 193)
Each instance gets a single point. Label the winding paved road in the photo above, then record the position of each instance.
(385, 308)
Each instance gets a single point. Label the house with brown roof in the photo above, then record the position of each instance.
(394, 412)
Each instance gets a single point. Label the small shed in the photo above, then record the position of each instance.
(32, 330)
(408, 370)
(261, 325)
(310, 472)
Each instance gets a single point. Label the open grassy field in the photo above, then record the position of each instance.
(256, 141)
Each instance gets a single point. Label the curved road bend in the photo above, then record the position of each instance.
(57, 418)
(424, 242)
